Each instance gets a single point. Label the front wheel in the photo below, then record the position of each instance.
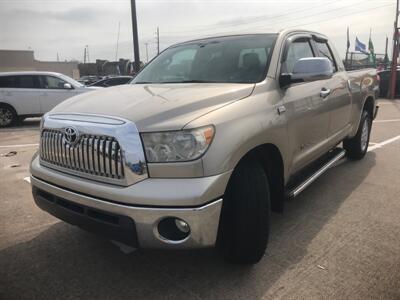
(244, 224)
(356, 147)
(7, 115)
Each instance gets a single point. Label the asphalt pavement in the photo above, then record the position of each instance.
(340, 239)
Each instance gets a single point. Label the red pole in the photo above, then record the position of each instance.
(395, 55)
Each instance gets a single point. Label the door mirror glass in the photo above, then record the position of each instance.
(311, 69)
(67, 86)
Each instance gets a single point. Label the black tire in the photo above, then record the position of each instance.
(245, 217)
(8, 116)
(357, 147)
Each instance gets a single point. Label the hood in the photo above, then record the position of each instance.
(154, 107)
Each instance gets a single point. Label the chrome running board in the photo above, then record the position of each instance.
(293, 192)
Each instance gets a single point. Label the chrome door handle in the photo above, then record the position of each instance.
(324, 93)
(281, 109)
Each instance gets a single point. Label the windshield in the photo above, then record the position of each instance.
(236, 59)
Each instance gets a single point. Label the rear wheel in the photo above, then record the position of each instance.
(8, 115)
(356, 147)
(244, 225)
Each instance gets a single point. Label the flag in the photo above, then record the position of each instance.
(371, 50)
(370, 46)
(360, 47)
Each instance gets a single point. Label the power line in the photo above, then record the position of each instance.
(254, 19)
(307, 16)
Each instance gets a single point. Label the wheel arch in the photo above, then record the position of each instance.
(270, 157)
(369, 105)
(10, 106)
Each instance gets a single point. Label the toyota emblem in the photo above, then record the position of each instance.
(71, 135)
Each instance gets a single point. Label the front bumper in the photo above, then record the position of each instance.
(134, 225)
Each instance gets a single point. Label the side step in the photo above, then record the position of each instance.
(302, 181)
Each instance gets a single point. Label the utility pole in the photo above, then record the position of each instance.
(87, 52)
(395, 54)
(135, 36)
(147, 52)
(116, 51)
(84, 55)
(158, 40)
(386, 59)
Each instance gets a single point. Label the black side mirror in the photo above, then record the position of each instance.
(285, 80)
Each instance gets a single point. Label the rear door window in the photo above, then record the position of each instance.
(27, 82)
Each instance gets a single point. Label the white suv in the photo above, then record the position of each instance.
(29, 94)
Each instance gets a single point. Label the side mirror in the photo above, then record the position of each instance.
(67, 86)
(308, 69)
(312, 68)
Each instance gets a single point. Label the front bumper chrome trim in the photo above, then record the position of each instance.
(203, 220)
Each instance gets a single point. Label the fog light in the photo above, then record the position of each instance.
(173, 229)
(182, 225)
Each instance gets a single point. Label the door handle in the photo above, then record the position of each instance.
(324, 93)
(281, 109)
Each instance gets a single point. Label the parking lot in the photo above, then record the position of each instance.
(339, 239)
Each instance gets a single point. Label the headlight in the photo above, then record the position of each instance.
(183, 145)
(41, 123)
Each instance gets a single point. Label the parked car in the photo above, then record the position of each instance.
(88, 80)
(112, 81)
(207, 140)
(29, 94)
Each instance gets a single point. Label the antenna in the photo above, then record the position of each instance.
(147, 52)
(158, 40)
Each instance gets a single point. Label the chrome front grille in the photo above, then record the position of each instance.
(94, 155)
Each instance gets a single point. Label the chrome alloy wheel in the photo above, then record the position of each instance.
(6, 116)
(364, 135)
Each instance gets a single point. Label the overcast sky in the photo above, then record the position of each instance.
(66, 26)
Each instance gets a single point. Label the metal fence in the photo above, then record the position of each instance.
(358, 60)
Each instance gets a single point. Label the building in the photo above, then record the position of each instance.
(24, 60)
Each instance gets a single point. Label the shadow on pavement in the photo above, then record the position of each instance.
(65, 262)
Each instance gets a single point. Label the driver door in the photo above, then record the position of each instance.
(307, 112)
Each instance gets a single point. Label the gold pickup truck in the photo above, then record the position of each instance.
(208, 139)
